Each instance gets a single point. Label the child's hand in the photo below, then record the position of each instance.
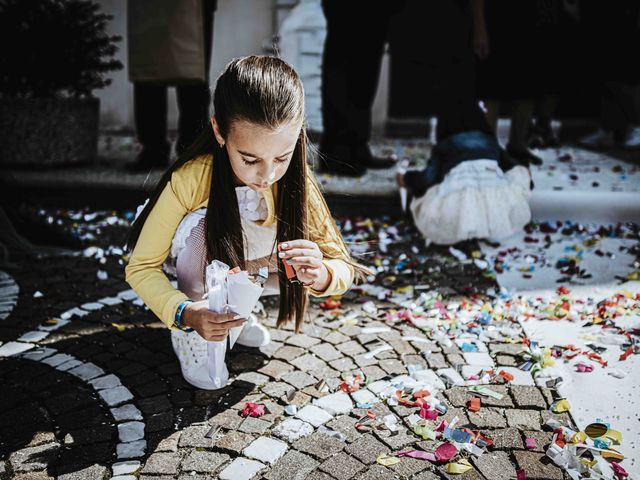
(209, 325)
(306, 259)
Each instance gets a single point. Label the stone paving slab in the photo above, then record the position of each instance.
(130, 413)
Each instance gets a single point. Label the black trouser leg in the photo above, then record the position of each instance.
(150, 117)
(193, 100)
(350, 71)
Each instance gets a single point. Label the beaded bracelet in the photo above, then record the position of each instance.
(178, 319)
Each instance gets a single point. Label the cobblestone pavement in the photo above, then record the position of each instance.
(91, 388)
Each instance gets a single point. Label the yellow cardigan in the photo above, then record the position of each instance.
(187, 191)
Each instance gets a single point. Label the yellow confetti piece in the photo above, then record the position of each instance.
(561, 406)
(459, 467)
(589, 464)
(51, 321)
(386, 460)
(424, 432)
(633, 276)
(614, 435)
(580, 437)
(476, 254)
(119, 327)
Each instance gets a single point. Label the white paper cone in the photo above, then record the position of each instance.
(216, 351)
(242, 296)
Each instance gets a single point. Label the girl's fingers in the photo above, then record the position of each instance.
(286, 246)
(313, 262)
(300, 252)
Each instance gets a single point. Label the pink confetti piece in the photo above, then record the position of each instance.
(584, 367)
(252, 410)
(521, 475)
(530, 443)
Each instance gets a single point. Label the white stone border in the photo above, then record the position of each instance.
(9, 291)
(128, 418)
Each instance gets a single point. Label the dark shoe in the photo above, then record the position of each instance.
(524, 155)
(147, 160)
(542, 136)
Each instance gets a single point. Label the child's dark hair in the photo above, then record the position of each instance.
(268, 92)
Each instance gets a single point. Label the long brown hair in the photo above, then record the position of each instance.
(265, 91)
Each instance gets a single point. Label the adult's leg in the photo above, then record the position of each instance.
(350, 70)
(193, 100)
(150, 117)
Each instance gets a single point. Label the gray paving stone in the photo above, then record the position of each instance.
(342, 466)
(299, 379)
(336, 338)
(326, 352)
(115, 396)
(130, 431)
(33, 458)
(319, 445)
(373, 373)
(344, 364)
(288, 353)
(495, 465)
(351, 348)
(234, 441)
(89, 473)
(318, 475)
(367, 449)
(277, 389)
(227, 419)
(377, 472)
(507, 360)
(254, 425)
(162, 463)
(523, 419)
(506, 438)
(87, 371)
(293, 466)
(308, 362)
(393, 366)
(488, 418)
(460, 396)
(527, 396)
(345, 424)
(410, 466)
(107, 381)
(426, 475)
(195, 437)
(538, 466)
(397, 441)
(302, 340)
(206, 462)
(253, 377)
(131, 449)
(363, 360)
(275, 369)
(437, 360)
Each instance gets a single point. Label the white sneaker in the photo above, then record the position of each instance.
(253, 334)
(192, 353)
(599, 138)
(633, 138)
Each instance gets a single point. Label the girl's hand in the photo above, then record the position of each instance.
(306, 259)
(209, 325)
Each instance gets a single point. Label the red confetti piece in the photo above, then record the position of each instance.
(474, 404)
(252, 410)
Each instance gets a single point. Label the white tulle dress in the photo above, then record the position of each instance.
(476, 199)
